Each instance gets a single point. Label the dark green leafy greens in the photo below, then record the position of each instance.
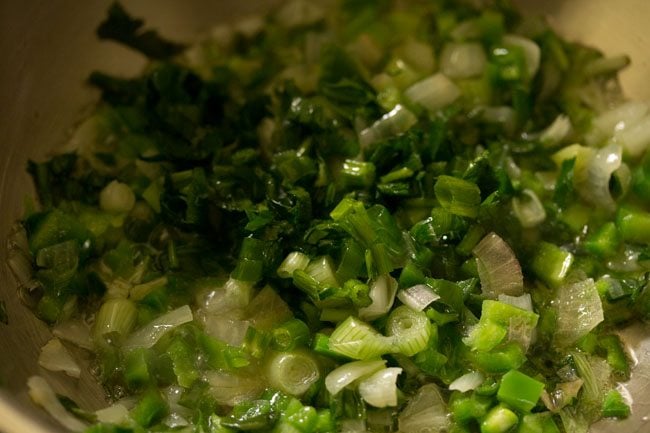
(334, 198)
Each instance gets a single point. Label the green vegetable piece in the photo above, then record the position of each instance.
(53, 227)
(519, 391)
(604, 241)
(289, 335)
(616, 357)
(537, 423)
(499, 420)
(357, 174)
(150, 408)
(466, 408)
(614, 405)
(184, 362)
(485, 336)
(136, 368)
(551, 263)
(458, 196)
(633, 226)
(121, 27)
(500, 360)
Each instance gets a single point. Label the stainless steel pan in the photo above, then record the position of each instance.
(48, 48)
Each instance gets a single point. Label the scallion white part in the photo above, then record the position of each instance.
(344, 375)
(382, 293)
(634, 139)
(579, 310)
(528, 209)
(531, 51)
(150, 333)
(615, 120)
(115, 414)
(556, 132)
(418, 297)
(467, 382)
(498, 268)
(433, 93)
(292, 372)
(380, 388)
(321, 269)
(116, 197)
(42, 394)
(358, 340)
(229, 389)
(425, 412)
(115, 315)
(293, 262)
(393, 123)
(55, 357)
(462, 60)
(592, 180)
(409, 329)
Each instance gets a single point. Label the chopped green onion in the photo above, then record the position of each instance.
(528, 209)
(358, 340)
(432, 93)
(115, 315)
(382, 294)
(458, 196)
(417, 297)
(294, 261)
(499, 420)
(410, 330)
(149, 334)
(293, 372)
(150, 408)
(357, 174)
(344, 375)
(289, 335)
(380, 388)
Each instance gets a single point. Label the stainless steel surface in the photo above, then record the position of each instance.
(48, 49)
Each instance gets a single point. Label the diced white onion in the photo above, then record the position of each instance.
(528, 209)
(393, 123)
(531, 50)
(418, 297)
(116, 197)
(579, 310)
(426, 412)
(433, 93)
(382, 293)
(344, 375)
(229, 328)
(55, 357)
(462, 60)
(353, 425)
(380, 388)
(267, 309)
(467, 382)
(42, 394)
(115, 414)
(76, 332)
(150, 333)
(229, 389)
(524, 301)
(498, 268)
